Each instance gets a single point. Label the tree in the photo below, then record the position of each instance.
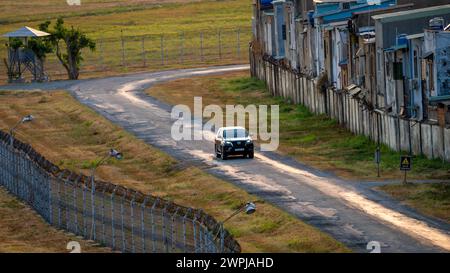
(39, 47)
(73, 40)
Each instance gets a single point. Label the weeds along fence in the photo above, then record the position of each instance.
(401, 135)
(111, 215)
(126, 52)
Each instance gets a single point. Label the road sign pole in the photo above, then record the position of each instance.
(405, 165)
(378, 160)
(378, 169)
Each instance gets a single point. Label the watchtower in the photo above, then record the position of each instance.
(21, 58)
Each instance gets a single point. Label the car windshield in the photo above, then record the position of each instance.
(235, 133)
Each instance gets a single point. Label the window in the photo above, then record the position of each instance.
(398, 71)
(345, 6)
(235, 133)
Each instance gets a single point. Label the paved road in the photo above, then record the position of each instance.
(349, 211)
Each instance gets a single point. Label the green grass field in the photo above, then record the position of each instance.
(432, 199)
(106, 18)
(141, 24)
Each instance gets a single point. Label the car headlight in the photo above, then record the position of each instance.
(249, 141)
(228, 143)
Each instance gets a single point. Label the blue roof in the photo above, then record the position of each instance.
(265, 3)
(330, 12)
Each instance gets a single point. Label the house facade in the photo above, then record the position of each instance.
(379, 67)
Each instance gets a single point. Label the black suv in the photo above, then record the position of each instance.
(233, 141)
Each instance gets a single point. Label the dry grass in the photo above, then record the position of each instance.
(23, 231)
(318, 140)
(132, 19)
(72, 135)
(431, 199)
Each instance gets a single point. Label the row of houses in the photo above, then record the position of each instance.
(392, 56)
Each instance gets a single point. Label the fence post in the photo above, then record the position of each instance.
(84, 210)
(103, 217)
(32, 185)
(239, 42)
(220, 44)
(133, 249)
(10, 168)
(144, 54)
(123, 221)
(182, 48)
(75, 205)
(123, 48)
(174, 239)
(10, 165)
(201, 46)
(66, 186)
(19, 174)
(59, 199)
(153, 225)
(162, 49)
(143, 223)
(15, 184)
(93, 208)
(200, 237)
(113, 230)
(194, 223)
(50, 209)
(166, 245)
(184, 230)
(102, 60)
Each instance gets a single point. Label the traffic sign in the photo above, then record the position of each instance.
(405, 163)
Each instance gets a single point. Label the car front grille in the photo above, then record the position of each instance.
(239, 144)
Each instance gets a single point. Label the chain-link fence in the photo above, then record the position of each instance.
(126, 52)
(112, 215)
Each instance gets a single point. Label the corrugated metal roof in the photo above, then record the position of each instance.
(411, 14)
(26, 32)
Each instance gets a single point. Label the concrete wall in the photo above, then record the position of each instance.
(399, 134)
